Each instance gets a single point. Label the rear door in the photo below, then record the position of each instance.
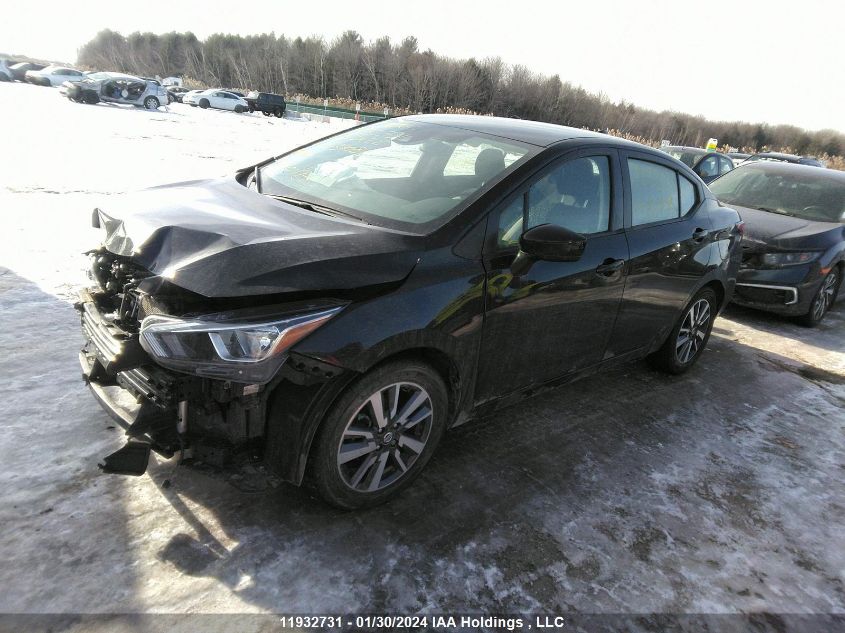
(669, 235)
(555, 317)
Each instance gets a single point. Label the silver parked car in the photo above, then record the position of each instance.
(116, 88)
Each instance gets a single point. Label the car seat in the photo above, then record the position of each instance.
(488, 164)
(581, 209)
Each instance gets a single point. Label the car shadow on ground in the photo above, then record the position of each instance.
(626, 491)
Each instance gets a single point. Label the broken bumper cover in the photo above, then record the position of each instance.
(140, 398)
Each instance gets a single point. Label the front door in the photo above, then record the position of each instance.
(555, 317)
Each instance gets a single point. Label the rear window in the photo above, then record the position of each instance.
(687, 157)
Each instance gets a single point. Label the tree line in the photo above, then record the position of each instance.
(383, 73)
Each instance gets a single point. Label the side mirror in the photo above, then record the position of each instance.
(548, 242)
(552, 243)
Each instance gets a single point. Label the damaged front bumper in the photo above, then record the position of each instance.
(207, 421)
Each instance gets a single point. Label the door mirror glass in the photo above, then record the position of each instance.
(552, 243)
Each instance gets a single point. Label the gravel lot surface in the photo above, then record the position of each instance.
(630, 492)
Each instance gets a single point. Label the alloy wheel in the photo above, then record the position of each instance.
(827, 293)
(693, 331)
(385, 436)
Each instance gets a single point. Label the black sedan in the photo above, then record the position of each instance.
(332, 311)
(708, 165)
(794, 248)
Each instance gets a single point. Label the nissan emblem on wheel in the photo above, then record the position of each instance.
(331, 312)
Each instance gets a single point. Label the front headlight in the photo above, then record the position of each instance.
(776, 260)
(237, 351)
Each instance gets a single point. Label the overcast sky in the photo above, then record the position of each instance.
(753, 60)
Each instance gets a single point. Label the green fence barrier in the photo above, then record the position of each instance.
(340, 113)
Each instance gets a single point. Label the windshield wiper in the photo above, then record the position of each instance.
(304, 204)
(770, 210)
(316, 208)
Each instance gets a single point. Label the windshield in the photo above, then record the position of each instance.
(400, 174)
(686, 156)
(803, 192)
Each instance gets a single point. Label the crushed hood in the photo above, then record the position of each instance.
(220, 239)
(766, 229)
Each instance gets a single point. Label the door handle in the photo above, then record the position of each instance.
(699, 235)
(610, 266)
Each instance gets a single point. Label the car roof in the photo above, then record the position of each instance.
(695, 150)
(782, 155)
(795, 168)
(112, 75)
(531, 132)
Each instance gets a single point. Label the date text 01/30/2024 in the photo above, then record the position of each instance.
(439, 622)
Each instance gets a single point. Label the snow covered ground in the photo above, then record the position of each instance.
(720, 491)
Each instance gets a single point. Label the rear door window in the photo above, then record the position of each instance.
(659, 193)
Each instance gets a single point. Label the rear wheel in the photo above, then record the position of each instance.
(279, 112)
(379, 435)
(151, 103)
(204, 103)
(689, 336)
(823, 301)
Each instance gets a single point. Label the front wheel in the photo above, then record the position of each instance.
(204, 103)
(689, 336)
(151, 103)
(379, 435)
(279, 113)
(823, 300)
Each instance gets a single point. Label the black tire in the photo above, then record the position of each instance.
(151, 103)
(90, 97)
(334, 480)
(279, 113)
(824, 299)
(676, 355)
(204, 103)
(239, 109)
(265, 113)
